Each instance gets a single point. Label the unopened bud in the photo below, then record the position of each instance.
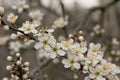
(9, 58)
(17, 54)
(18, 62)
(1, 11)
(26, 63)
(9, 67)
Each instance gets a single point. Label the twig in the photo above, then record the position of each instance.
(63, 14)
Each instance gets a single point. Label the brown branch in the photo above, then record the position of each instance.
(91, 11)
(14, 29)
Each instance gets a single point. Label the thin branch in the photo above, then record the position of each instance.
(14, 29)
(101, 8)
(63, 14)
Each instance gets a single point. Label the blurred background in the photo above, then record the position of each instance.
(99, 19)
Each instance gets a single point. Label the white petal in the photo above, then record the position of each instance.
(92, 76)
(37, 46)
(76, 65)
(53, 55)
(48, 48)
(61, 53)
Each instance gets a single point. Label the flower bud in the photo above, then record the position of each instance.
(17, 54)
(5, 78)
(6, 27)
(13, 36)
(81, 38)
(25, 76)
(26, 63)
(1, 11)
(18, 62)
(9, 67)
(9, 58)
(26, 69)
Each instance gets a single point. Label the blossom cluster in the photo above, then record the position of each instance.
(49, 43)
(76, 55)
(18, 70)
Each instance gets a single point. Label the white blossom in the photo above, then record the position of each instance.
(11, 18)
(37, 16)
(60, 23)
(15, 45)
(70, 63)
(56, 50)
(28, 27)
(95, 73)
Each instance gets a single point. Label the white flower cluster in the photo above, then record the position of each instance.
(37, 16)
(60, 22)
(76, 55)
(18, 70)
(48, 42)
(20, 6)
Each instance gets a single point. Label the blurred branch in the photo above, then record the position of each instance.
(63, 14)
(47, 9)
(91, 11)
(39, 68)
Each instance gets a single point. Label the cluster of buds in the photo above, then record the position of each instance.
(97, 30)
(18, 70)
(78, 37)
